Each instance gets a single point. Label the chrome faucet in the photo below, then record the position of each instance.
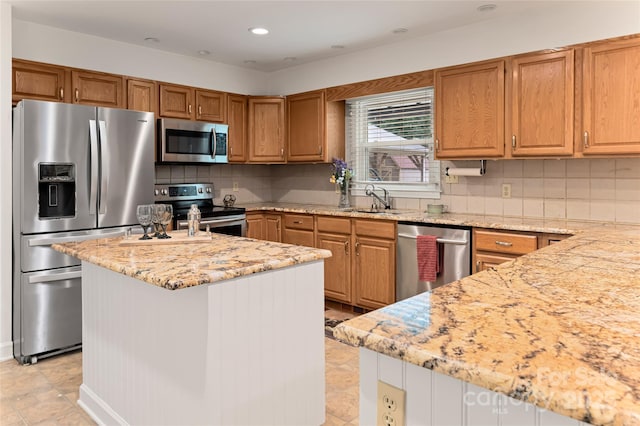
(386, 201)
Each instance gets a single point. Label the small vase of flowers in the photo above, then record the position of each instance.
(341, 176)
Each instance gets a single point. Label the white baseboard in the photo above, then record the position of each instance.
(97, 409)
(6, 351)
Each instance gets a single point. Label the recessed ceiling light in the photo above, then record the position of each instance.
(337, 46)
(203, 52)
(151, 40)
(290, 58)
(400, 30)
(487, 7)
(259, 31)
(249, 61)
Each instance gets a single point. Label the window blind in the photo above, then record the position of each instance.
(390, 141)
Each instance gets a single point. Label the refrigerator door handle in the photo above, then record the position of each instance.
(102, 205)
(93, 183)
(51, 277)
(60, 240)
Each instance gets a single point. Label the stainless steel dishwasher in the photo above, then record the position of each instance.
(454, 244)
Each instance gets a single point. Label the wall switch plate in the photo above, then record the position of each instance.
(390, 405)
(450, 179)
(506, 190)
(235, 187)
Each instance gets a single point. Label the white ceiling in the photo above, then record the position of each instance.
(305, 30)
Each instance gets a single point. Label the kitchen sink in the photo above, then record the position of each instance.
(375, 211)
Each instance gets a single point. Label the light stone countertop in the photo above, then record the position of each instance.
(181, 265)
(553, 226)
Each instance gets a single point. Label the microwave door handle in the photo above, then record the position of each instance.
(214, 140)
(102, 205)
(93, 183)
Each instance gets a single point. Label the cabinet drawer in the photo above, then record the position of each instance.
(298, 221)
(335, 225)
(504, 242)
(375, 228)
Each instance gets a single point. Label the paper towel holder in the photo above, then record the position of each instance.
(483, 168)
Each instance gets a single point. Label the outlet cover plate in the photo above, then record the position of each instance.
(390, 405)
(450, 179)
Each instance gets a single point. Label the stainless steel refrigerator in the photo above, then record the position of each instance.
(78, 173)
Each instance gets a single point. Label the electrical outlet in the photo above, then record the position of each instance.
(450, 179)
(506, 190)
(391, 405)
(235, 187)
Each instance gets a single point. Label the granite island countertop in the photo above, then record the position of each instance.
(181, 265)
(559, 328)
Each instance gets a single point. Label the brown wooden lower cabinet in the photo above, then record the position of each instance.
(298, 229)
(263, 226)
(334, 234)
(487, 261)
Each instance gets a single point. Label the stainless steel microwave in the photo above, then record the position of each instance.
(184, 141)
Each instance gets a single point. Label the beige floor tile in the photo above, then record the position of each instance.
(48, 410)
(342, 405)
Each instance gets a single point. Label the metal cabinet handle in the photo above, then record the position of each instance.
(281, 152)
(346, 247)
(62, 93)
(320, 149)
(586, 139)
(513, 141)
(199, 110)
(478, 266)
(77, 93)
(189, 108)
(437, 145)
(504, 243)
(357, 248)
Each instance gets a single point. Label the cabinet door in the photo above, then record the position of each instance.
(337, 268)
(297, 236)
(142, 95)
(375, 272)
(176, 101)
(39, 81)
(211, 106)
(306, 126)
(266, 130)
(470, 111)
(99, 89)
(237, 119)
(542, 91)
(611, 98)
(255, 226)
(272, 227)
(487, 261)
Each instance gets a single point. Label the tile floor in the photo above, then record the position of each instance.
(46, 393)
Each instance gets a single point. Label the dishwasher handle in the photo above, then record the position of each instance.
(440, 240)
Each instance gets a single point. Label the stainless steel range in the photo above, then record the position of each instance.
(221, 219)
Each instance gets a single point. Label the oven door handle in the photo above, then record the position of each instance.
(227, 219)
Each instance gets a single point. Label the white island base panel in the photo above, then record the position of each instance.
(436, 399)
(239, 352)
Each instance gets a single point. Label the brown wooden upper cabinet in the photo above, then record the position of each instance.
(237, 120)
(315, 127)
(266, 137)
(611, 98)
(33, 80)
(176, 101)
(142, 95)
(211, 106)
(541, 93)
(470, 110)
(97, 88)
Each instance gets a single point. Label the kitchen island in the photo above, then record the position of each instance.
(552, 337)
(224, 331)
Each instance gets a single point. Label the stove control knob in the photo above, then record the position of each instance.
(199, 190)
(208, 190)
(164, 191)
(156, 192)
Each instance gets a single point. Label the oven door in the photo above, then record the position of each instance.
(235, 225)
(183, 141)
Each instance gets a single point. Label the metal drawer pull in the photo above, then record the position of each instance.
(47, 278)
(504, 243)
(297, 222)
(72, 239)
(440, 240)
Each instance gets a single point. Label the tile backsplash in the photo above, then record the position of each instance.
(580, 189)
